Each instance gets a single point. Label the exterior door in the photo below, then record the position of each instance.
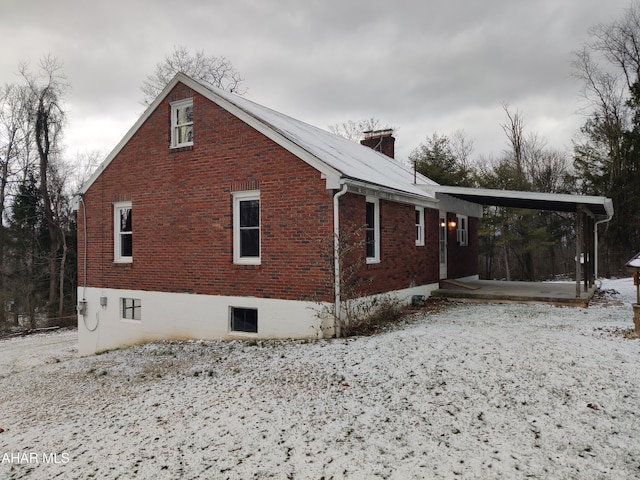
(442, 247)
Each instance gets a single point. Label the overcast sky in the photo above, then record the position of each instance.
(422, 66)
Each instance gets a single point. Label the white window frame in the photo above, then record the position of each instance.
(420, 227)
(175, 106)
(462, 231)
(118, 257)
(239, 197)
(376, 230)
(133, 305)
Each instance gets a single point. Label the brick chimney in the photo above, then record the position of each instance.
(380, 140)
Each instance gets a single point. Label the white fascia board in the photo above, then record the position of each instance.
(455, 205)
(384, 193)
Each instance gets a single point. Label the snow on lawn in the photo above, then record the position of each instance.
(475, 391)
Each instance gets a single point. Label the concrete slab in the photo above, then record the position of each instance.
(494, 291)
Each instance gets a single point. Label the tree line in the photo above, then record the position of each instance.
(37, 232)
(605, 161)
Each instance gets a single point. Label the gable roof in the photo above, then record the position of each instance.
(338, 159)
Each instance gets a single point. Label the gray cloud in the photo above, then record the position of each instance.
(420, 66)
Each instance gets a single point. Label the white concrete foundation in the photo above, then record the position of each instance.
(180, 316)
(186, 316)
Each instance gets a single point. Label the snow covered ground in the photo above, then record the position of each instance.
(475, 391)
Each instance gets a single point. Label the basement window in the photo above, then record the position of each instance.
(182, 123)
(244, 320)
(131, 309)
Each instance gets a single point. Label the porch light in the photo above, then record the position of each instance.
(443, 224)
(452, 224)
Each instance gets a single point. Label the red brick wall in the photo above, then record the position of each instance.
(183, 226)
(182, 212)
(402, 263)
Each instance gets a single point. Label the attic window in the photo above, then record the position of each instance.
(182, 123)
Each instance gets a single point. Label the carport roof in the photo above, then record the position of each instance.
(600, 206)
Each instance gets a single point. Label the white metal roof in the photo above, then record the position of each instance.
(558, 202)
(340, 160)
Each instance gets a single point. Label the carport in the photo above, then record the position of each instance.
(590, 211)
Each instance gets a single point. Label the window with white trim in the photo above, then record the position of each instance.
(123, 232)
(419, 226)
(246, 227)
(373, 230)
(244, 320)
(462, 232)
(182, 123)
(131, 308)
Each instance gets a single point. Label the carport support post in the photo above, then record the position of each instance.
(578, 247)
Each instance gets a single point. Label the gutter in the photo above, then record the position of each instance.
(336, 259)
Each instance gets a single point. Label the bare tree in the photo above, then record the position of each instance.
(353, 130)
(14, 148)
(514, 130)
(462, 147)
(217, 71)
(48, 118)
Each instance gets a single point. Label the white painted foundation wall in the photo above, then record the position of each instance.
(180, 316)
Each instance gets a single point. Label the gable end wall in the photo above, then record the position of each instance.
(182, 212)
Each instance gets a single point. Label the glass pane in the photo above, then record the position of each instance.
(126, 245)
(184, 134)
(185, 115)
(137, 309)
(125, 219)
(417, 217)
(244, 320)
(250, 242)
(371, 217)
(250, 213)
(371, 243)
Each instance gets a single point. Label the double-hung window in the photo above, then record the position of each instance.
(123, 232)
(462, 232)
(419, 226)
(182, 123)
(246, 227)
(372, 235)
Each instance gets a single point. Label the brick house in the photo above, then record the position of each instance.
(215, 218)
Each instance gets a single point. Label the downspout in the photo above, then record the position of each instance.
(336, 259)
(84, 254)
(608, 219)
